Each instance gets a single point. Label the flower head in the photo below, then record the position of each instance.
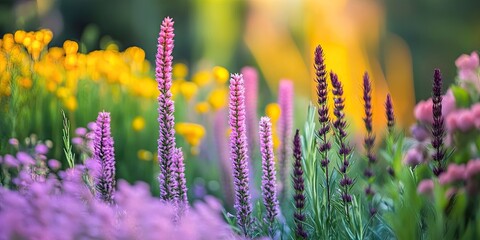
(166, 120)
(238, 152)
(438, 126)
(269, 191)
(299, 186)
(104, 156)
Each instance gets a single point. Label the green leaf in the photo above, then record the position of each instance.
(462, 97)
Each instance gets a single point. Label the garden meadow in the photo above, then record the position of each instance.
(194, 158)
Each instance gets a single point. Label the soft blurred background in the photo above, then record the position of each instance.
(398, 42)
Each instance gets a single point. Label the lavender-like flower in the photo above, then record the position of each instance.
(181, 189)
(285, 125)
(299, 187)
(341, 134)
(369, 139)
(250, 76)
(166, 120)
(238, 152)
(323, 117)
(438, 126)
(104, 156)
(389, 113)
(269, 180)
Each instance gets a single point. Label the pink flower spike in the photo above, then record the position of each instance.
(285, 127)
(425, 186)
(166, 108)
(250, 76)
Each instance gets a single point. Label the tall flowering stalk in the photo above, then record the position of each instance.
(269, 180)
(390, 114)
(323, 116)
(179, 170)
(285, 125)
(104, 155)
(438, 127)
(299, 187)
(340, 136)
(238, 152)
(166, 120)
(369, 139)
(250, 76)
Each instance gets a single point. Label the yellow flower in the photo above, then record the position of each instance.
(144, 155)
(70, 61)
(192, 132)
(201, 78)
(71, 103)
(218, 98)
(8, 41)
(63, 92)
(19, 36)
(180, 70)
(71, 47)
(220, 74)
(273, 112)
(47, 36)
(188, 90)
(138, 123)
(25, 82)
(202, 107)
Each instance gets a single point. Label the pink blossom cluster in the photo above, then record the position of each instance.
(468, 70)
(460, 172)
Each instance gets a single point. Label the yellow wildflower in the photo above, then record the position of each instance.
(138, 123)
(220, 74)
(202, 107)
(144, 155)
(201, 78)
(218, 98)
(19, 36)
(8, 41)
(180, 70)
(192, 132)
(273, 112)
(71, 103)
(63, 92)
(71, 47)
(47, 36)
(70, 61)
(25, 82)
(27, 41)
(188, 90)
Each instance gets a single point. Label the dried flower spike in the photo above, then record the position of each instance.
(104, 156)
(166, 120)
(238, 153)
(389, 113)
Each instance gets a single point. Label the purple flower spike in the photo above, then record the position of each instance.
(285, 124)
(341, 134)
(166, 120)
(104, 155)
(390, 114)
(299, 186)
(181, 189)
(250, 76)
(238, 152)
(438, 126)
(269, 180)
(369, 139)
(323, 117)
